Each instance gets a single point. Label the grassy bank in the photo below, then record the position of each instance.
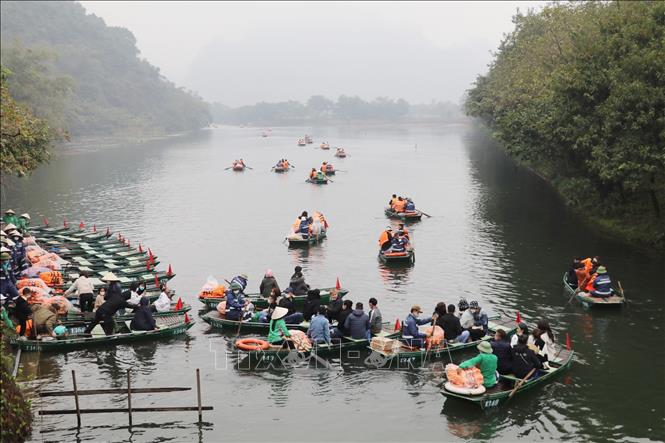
(15, 414)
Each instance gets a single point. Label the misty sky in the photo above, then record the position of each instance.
(240, 53)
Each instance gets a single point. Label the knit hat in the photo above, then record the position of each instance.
(485, 347)
(463, 305)
(474, 305)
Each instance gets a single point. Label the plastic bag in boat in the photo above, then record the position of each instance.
(300, 340)
(209, 286)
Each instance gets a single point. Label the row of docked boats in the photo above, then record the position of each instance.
(97, 254)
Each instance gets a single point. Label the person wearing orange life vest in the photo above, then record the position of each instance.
(312, 174)
(386, 238)
(589, 263)
(399, 205)
(285, 163)
(392, 201)
(324, 166)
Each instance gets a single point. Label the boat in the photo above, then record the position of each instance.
(78, 318)
(280, 169)
(325, 146)
(239, 167)
(297, 240)
(408, 256)
(329, 171)
(406, 357)
(308, 140)
(503, 390)
(406, 216)
(215, 319)
(317, 181)
(278, 355)
(301, 142)
(169, 326)
(340, 154)
(261, 302)
(588, 301)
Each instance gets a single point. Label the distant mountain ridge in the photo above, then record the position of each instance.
(74, 70)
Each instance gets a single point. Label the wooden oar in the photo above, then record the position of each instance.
(240, 322)
(249, 167)
(228, 168)
(330, 180)
(520, 383)
(291, 166)
(622, 293)
(425, 213)
(340, 170)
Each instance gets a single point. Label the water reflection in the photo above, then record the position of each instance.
(394, 278)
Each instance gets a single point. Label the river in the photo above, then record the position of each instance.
(498, 234)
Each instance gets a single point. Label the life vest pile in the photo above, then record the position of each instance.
(470, 378)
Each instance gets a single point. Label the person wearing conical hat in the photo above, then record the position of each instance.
(114, 302)
(18, 253)
(486, 361)
(277, 330)
(23, 223)
(10, 217)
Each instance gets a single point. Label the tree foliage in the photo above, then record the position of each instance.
(577, 91)
(25, 139)
(72, 69)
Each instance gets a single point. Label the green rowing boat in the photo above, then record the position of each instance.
(78, 318)
(214, 319)
(588, 301)
(261, 302)
(317, 181)
(405, 216)
(405, 357)
(408, 256)
(168, 327)
(502, 391)
(296, 241)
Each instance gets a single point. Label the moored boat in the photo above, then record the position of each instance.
(503, 390)
(589, 301)
(76, 338)
(261, 302)
(216, 320)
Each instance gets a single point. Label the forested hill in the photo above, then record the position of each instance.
(577, 92)
(88, 78)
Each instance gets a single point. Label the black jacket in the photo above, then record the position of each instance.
(504, 353)
(451, 326)
(22, 309)
(311, 306)
(286, 302)
(267, 285)
(143, 319)
(112, 304)
(298, 284)
(524, 360)
(334, 309)
(341, 319)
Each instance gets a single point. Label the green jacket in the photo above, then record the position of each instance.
(22, 224)
(7, 218)
(487, 364)
(274, 330)
(5, 319)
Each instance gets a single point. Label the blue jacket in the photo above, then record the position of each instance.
(304, 227)
(235, 301)
(410, 327)
(410, 206)
(480, 319)
(319, 329)
(241, 281)
(399, 244)
(357, 324)
(602, 286)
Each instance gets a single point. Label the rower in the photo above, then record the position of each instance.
(10, 217)
(392, 201)
(409, 206)
(385, 240)
(241, 280)
(304, 228)
(487, 363)
(312, 174)
(602, 285)
(399, 205)
(399, 243)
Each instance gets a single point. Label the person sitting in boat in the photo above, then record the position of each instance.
(452, 328)
(297, 282)
(277, 330)
(268, 283)
(285, 163)
(399, 205)
(480, 321)
(501, 348)
(538, 345)
(319, 327)
(405, 232)
(386, 238)
(235, 302)
(341, 331)
(163, 302)
(266, 314)
(580, 275)
(292, 317)
(522, 330)
(335, 306)
(410, 206)
(543, 339)
(312, 174)
(357, 324)
(320, 175)
(602, 285)
(143, 319)
(324, 166)
(304, 228)
(524, 359)
(410, 333)
(241, 280)
(399, 243)
(486, 361)
(392, 201)
(312, 304)
(242, 162)
(24, 223)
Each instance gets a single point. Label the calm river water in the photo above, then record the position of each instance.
(497, 234)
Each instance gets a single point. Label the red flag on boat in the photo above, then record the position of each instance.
(65, 224)
(156, 281)
(568, 345)
(140, 248)
(147, 264)
(94, 228)
(150, 254)
(518, 318)
(178, 305)
(45, 221)
(337, 285)
(186, 318)
(81, 225)
(129, 244)
(108, 231)
(398, 325)
(170, 271)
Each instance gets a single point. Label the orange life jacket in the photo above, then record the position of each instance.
(587, 264)
(323, 168)
(384, 238)
(589, 285)
(51, 278)
(399, 205)
(392, 202)
(582, 275)
(312, 174)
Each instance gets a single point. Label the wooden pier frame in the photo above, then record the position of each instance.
(129, 391)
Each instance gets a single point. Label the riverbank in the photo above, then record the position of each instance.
(15, 416)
